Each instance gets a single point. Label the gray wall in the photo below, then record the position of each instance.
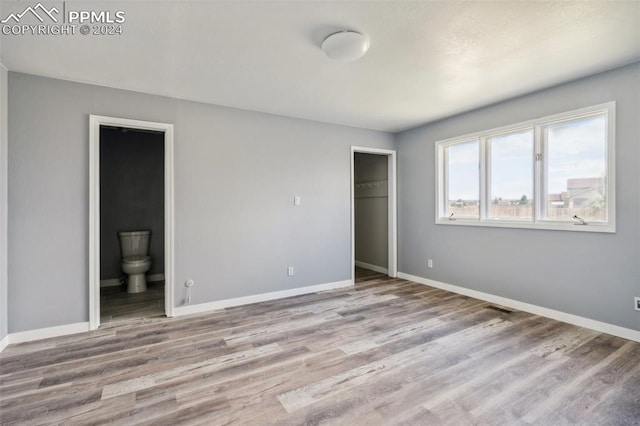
(236, 173)
(371, 209)
(593, 275)
(237, 230)
(131, 194)
(3, 203)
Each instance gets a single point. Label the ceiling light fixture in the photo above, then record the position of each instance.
(345, 46)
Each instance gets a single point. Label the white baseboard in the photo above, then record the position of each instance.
(45, 333)
(247, 300)
(114, 282)
(603, 327)
(371, 267)
(81, 327)
(4, 342)
(155, 277)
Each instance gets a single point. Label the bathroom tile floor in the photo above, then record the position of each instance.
(118, 305)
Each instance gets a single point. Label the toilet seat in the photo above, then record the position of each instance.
(135, 259)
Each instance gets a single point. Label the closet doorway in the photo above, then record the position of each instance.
(373, 210)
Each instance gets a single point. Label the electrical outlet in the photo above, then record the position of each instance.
(636, 304)
(429, 263)
(290, 271)
(188, 284)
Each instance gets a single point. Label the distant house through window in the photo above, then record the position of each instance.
(550, 173)
(576, 168)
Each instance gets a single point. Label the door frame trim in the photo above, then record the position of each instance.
(95, 121)
(392, 226)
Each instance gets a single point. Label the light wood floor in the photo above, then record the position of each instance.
(118, 305)
(389, 352)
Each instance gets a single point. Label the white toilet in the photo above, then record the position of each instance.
(134, 246)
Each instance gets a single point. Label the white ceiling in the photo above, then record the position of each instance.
(427, 60)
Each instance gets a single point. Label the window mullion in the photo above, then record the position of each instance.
(444, 211)
(484, 168)
(538, 175)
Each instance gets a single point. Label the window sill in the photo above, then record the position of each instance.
(549, 226)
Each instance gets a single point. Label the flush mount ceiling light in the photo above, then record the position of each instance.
(345, 46)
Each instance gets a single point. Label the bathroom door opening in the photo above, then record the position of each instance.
(131, 204)
(373, 211)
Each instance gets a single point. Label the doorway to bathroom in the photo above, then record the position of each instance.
(373, 212)
(131, 220)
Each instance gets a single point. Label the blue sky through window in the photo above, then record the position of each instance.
(464, 173)
(512, 166)
(575, 149)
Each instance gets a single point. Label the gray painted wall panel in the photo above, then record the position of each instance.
(236, 172)
(593, 275)
(3, 204)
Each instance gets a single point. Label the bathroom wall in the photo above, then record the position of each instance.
(236, 173)
(131, 194)
(593, 275)
(3, 204)
(371, 209)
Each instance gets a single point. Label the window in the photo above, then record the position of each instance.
(576, 167)
(551, 173)
(463, 185)
(511, 175)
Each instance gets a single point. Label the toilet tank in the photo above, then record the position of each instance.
(134, 243)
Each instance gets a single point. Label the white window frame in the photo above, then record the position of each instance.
(539, 175)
